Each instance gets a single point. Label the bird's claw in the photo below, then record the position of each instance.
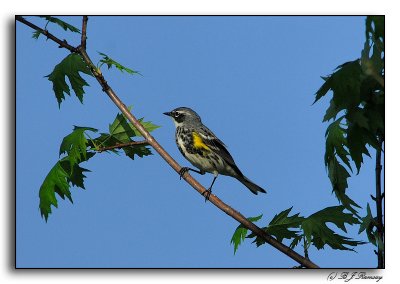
(182, 171)
(206, 194)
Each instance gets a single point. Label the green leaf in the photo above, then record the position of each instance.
(296, 241)
(148, 125)
(280, 225)
(75, 174)
(110, 62)
(59, 180)
(357, 116)
(317, 232)
(121, 132)
(69, 67)
(357, 138)
(75, 145)
(323, 90)
(338, 176)
(36, 34)
(55, 181)
(140, 151)
(240, 233)
(61, 23)
(368, 224)
(120, 129)
(336, 143)
(331, 112)
(345, 83)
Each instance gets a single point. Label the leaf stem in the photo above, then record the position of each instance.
(122, 145)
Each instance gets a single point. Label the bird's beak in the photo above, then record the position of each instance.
(168, 113)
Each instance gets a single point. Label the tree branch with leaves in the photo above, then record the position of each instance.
(79, 147)
(358, 98)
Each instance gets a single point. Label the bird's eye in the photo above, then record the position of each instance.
(177, 114)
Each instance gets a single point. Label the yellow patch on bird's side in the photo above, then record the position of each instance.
(198, 142)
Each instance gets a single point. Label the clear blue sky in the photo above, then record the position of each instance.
(251, 79)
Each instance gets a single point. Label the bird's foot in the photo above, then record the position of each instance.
(206, 194)
(183, 171)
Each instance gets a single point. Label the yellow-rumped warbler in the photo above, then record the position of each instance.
(204, 150)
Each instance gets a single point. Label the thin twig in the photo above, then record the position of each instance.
(84, 26)
(188, 178)
(62, 43)
(122, 145)
(378, 201)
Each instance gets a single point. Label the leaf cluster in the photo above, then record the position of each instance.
(311, 230)
(79, 147)
(70, 67)
(358, 98)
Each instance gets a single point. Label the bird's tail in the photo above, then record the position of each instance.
(250, 185)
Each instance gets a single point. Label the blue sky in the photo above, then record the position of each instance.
(251, 79)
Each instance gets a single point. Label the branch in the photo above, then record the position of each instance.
(84, 26)
(378, 201)
(188, 178)
(122, 145)
(62, 43)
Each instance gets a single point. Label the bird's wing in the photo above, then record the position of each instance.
(216, 145)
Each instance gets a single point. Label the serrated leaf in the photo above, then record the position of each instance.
(345, 84)
(120, 129)
(282, 222)
(36, 34)
(110, 62)
(240, 233)
(121, 132)
(331, 112)
(69, 67)
(338, 176)
(317, 232)
(296, 240)
(61, 23)
(357, 138)
(140, 151)
(75, 174)
(59, 180)
(75, 145)
(148, 125)
(55, 181)
(368, 224)
(336, 143)
(376, 118)
(280, 226)
(357, 116)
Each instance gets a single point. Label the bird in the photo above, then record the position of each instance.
(202, 148)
